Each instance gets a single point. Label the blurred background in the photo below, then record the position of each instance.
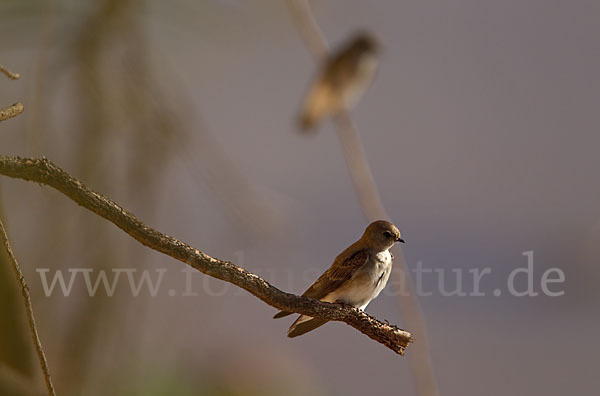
(481, 130)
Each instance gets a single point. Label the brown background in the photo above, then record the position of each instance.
(481, 130)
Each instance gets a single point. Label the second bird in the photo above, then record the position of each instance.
(343, 78)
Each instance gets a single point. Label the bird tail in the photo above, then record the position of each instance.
(281, 314)
(307, 122)
(319, 103)
(304, 324)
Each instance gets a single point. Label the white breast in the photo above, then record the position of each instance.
(366, 284)
(382, 272)
(384, 257)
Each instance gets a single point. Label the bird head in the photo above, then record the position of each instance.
(364, 42)
(382, 235)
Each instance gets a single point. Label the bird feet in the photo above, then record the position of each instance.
(346, 305)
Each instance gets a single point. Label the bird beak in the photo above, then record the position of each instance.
(400, 240)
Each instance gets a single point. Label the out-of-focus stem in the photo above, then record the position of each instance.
(372, 207)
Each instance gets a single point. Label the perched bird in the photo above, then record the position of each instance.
(344, 77)
(356, 276)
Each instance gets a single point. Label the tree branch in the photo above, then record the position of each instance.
(29, 309)
(45, 172)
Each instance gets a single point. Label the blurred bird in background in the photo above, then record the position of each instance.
(356, 276)
(344, 77)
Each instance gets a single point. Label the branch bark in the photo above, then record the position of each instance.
(43, 171)
(11, 111)
(29, 309)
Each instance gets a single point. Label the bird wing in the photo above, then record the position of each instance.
(341, 271)
(339, 70)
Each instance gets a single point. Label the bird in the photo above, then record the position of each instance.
(344, 77)
(356, 277)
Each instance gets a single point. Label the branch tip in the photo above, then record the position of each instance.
(9, 74)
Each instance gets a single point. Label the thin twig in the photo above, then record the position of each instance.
(371, 204)
(11, 111)
(44, 172)
(17, 108)
(29, 309)
(9, 74)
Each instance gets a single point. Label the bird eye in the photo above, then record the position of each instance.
(388, 234)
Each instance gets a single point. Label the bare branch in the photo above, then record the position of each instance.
(11, 111)
(9, 74)
(29, 309)
(370, 201)
(45, 172)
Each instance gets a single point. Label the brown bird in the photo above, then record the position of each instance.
(356, 276)
(344, 77)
